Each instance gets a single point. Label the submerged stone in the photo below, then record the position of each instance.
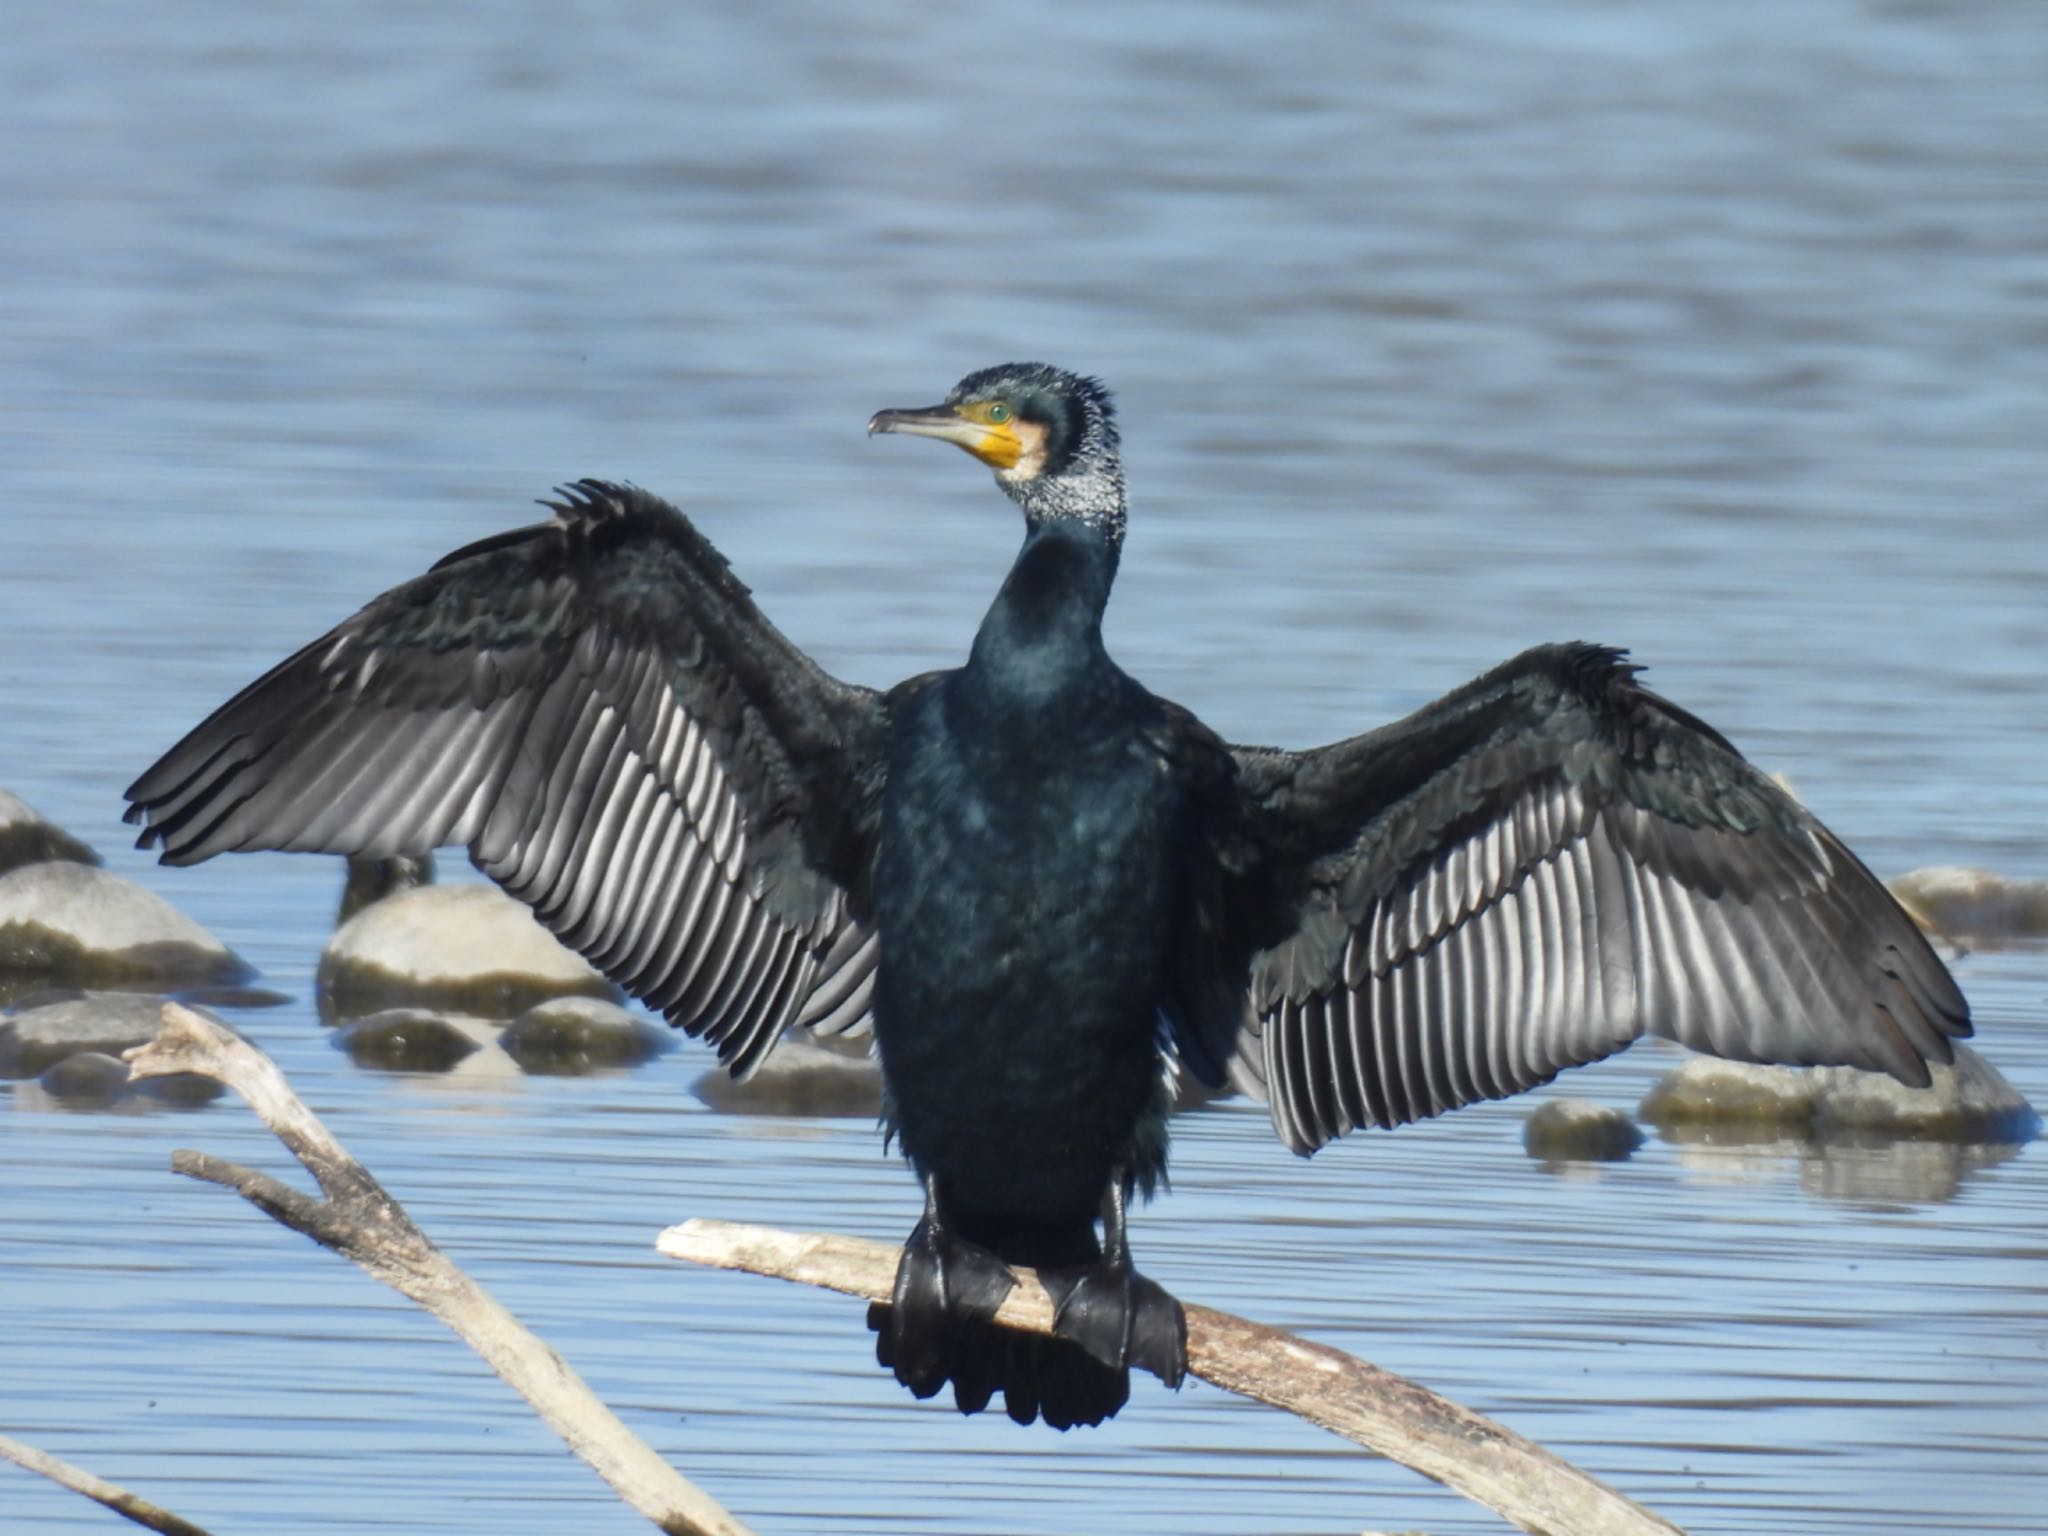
(71, 1042)
(50, 1026)
(25, 838)
(233, 997)
(88, 1080)
(1707, 1092)
(464, 949)
(77, 925)
(1974, 904)
(179, 1090)
(568, 1036)
(801, 1077)
(1579, 1131)
(413, 1040)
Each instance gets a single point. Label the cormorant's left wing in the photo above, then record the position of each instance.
(1536, 870)
(596, 708)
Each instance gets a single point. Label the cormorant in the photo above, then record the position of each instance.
(1042, 881)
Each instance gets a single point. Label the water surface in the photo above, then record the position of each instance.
(1439, 330)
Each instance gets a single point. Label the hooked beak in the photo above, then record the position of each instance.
(996, 446)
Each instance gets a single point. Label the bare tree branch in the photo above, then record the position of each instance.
(98, 1489)
(1518, 1479)
(1398, 1418)
(360, 1220)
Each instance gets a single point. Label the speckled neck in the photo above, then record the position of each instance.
(1089, 492)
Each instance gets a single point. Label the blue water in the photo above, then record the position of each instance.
(1717, 332)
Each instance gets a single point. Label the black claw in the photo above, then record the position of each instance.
(1120, 1318)
(976, 1280)
(1088, 1309)
(917, 1325)
(945, 1285)
(1159, 1332)
(939, 1325)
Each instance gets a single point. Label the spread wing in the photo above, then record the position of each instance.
(596, 708)
(1536, 870)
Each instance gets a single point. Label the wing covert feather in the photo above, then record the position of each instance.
(596, 708)
(1539, 869)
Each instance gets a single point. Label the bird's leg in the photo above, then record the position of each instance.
(942, 1282)
(1111, 1310)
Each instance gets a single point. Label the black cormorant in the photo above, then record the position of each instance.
(1042, 881)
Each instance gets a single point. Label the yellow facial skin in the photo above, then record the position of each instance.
(988, 429)
(998, 446)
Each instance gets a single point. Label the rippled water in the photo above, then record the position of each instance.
(1439, 330)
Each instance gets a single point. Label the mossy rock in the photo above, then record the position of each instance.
(461, 949)
(569, 1036)
(1708, 1099)
(25, 838)
(71, 1042)
(1580, 1131)
(1706, 1093)
(1970, 1101)
(77, 925)
(1974, 905)
(413, 1040)
(180, 1090)
(51, 1026)
(799, 1077)
(87, 1080)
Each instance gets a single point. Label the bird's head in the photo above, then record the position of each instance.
(1049, 435)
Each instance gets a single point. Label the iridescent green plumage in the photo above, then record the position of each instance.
(1042, 881)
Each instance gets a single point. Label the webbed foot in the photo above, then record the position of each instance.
(1120, 1317)
(944, 1285)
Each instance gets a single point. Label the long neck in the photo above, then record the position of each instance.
(1045, 626)
(1089, 491)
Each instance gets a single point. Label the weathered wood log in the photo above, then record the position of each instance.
(149, 1516)
(359, 1219)
(1399, 1419)
(355, 1216)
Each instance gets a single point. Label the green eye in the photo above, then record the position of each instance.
(999, 413)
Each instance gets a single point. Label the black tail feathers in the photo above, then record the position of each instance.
(1039, 1377)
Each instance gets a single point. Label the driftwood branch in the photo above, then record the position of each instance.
(98, 1489)
(355, 1216)
(359, 1219)
(1399, 1419)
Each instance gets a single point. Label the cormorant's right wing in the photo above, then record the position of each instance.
(597, 709)
(1535, 870)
